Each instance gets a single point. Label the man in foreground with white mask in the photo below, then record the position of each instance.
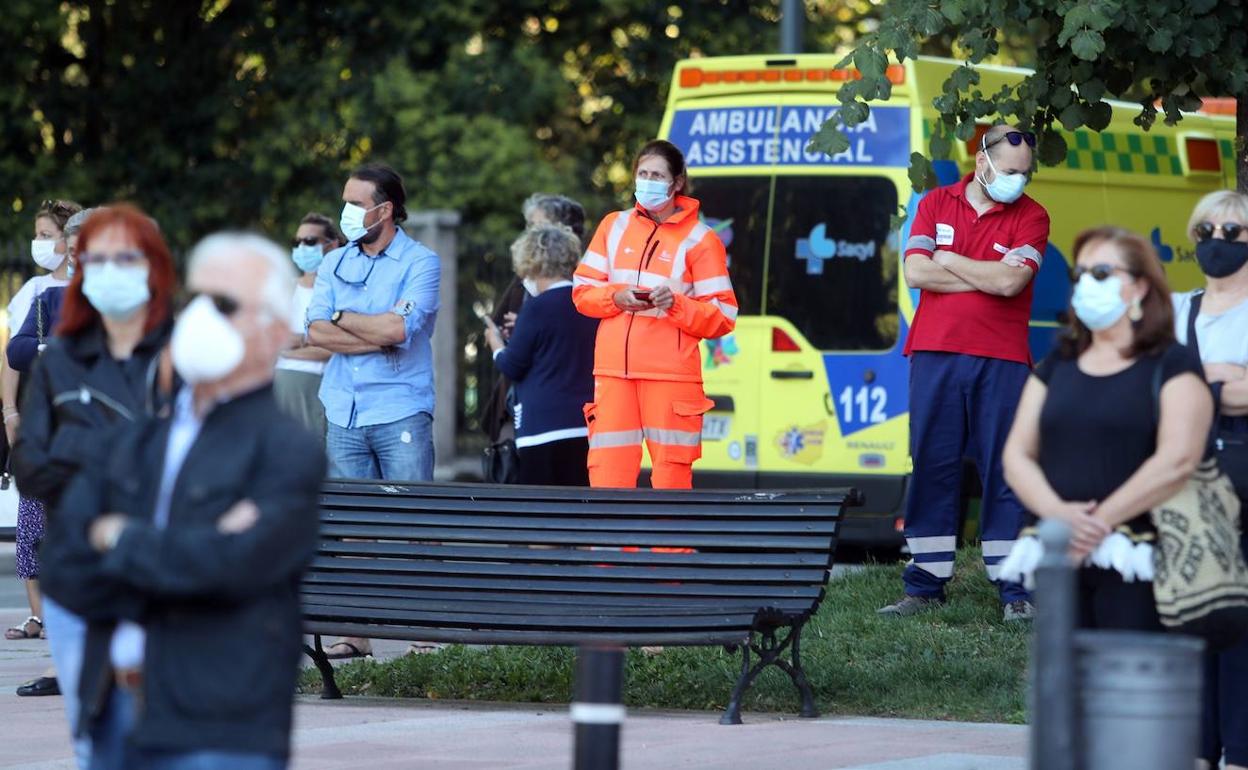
(973, 250)
(204, 522)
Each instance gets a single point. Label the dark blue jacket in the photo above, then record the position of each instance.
(550, 358)
(45, 312)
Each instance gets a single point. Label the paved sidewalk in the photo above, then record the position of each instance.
(380, 734)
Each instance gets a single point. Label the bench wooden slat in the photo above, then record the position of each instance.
(759, 591)
(538, 638)
(842, 496)
(573, 555)
(824, 525)
(640, 606)
(732, 575)
(327, 593)
(577, 537)
(563, 622)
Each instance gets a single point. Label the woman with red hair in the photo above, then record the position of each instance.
(103, 368)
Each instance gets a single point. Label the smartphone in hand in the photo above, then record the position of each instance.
(642, 295)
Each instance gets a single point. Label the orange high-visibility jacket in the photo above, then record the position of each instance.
(631, 249)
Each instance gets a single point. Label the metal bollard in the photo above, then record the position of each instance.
(1053, 683)
(598, 710)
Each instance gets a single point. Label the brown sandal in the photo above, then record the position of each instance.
(23, 631)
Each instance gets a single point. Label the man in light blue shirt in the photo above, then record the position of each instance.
(374, 308)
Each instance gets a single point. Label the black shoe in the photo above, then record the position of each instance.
(44, 685)
(911, 605)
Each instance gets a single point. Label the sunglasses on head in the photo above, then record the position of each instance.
(311, 240)
(1099, 271)
(226, 306)
(1015, 138)
(1230, 230)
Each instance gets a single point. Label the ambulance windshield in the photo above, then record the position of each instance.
(832, 266)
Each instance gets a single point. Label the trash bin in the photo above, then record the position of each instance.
(1139, 700)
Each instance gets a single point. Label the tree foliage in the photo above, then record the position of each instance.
(1162, 54)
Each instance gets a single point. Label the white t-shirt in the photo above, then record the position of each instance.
(1223, 338)
(19, 306)
(298, 325)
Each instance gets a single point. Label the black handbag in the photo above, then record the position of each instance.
(1230, 436)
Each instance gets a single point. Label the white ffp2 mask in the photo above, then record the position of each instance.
(205, 346)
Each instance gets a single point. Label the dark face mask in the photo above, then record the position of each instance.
(1219, 258)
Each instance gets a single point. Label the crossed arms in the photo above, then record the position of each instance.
(948, 273)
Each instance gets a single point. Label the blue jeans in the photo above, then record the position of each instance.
(110, 735)
(396, 451)
(67, 635)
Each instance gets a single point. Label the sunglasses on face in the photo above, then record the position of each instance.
(1230, 230)
(1015, 138)
(311, 240)
(121, 258)
(226, 306)
(1099, 271)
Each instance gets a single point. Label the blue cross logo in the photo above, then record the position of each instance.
(816, 249)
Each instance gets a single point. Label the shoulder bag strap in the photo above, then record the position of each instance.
(1193, 312)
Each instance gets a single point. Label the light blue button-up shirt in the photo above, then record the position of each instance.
(365, 389)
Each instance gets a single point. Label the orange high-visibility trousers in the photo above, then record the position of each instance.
(667, 415)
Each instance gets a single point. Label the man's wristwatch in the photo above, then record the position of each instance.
(336, 317)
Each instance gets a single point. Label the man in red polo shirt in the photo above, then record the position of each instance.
(974, 248)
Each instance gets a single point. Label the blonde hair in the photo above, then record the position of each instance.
(546, 251)
(1217, 204)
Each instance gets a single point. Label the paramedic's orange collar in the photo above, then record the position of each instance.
(684, 207)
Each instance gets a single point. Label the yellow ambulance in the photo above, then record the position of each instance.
(812, 388)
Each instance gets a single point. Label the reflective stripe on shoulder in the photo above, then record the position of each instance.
(694, 237)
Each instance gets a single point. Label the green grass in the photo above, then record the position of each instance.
(959, 662)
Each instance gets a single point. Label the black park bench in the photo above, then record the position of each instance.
(504, 565)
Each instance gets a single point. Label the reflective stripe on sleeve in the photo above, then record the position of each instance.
(921, 242)
(596, 261)
(729, 311)
(1029, 252)
(712, 285)
(580, 280)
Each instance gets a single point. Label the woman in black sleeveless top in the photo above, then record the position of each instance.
(1092, 441)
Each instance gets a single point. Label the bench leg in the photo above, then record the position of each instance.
(770, 651)
(798, 674)
(329, 687)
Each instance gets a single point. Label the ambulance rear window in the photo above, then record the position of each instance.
(833, 270)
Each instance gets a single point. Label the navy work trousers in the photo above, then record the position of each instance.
(960, 406)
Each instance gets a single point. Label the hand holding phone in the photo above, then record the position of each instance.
(642, 294)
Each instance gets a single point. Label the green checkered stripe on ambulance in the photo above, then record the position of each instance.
(1122, 153)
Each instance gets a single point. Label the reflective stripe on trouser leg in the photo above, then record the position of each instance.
(937, 444)
(993, 401)
(671, 415)
(614, 422)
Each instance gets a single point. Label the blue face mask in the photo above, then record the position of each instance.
(652, 194)
(1098, 304)
(1004, 188)
(307, 258)
(117, 292)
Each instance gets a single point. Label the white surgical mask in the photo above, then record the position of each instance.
(44, 254)
(1098, 304)
(307, 258)
(352, 221)
(205, 345)
(652, 194)
(1004, 188)
(115, 291)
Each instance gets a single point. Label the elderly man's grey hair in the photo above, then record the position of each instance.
(558, 209)
(279, 284)
(75, 223)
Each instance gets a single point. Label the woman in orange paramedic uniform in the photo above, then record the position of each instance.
(658, 279)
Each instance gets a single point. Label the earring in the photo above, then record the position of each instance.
(1136, 312)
